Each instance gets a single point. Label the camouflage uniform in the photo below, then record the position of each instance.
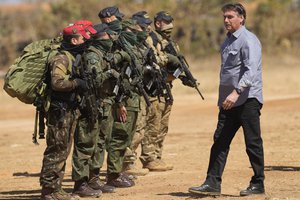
(61, 122)
(130, 154)
(159, 113)
(87, 140)
(122, 133)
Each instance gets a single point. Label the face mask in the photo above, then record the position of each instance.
(167, 32)
(74, 49)
(167, 27)
(130, 37)
(115, 25)
(141, 36)
(104, 44)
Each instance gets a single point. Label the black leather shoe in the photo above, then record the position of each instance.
(205, 189)
(252, 190)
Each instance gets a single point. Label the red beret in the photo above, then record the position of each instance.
(76, 30)
(88, 25)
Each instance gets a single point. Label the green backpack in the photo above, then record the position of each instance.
(25, 79)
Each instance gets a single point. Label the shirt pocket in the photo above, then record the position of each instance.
(232, 59)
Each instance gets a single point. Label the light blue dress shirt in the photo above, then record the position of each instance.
(241, 66)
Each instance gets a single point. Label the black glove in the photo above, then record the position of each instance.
(113, 73)
(81, 84)
(187, 82)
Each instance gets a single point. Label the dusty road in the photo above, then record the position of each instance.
(187, 146)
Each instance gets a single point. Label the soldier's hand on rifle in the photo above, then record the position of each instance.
(122, 114)
(186, 81)
(113, 73)
(81, 84)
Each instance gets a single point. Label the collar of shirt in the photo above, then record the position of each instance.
(237, 33)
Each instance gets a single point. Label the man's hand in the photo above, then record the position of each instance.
(122, 114)
(230, 100)
(113, 73)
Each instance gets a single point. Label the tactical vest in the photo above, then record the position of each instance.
(105, 89)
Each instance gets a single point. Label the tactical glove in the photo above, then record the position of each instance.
(113, 73)
(81, 84)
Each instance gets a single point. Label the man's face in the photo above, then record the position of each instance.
(162, 24)
(104, 36)
(79, 40)
(232, 21)
(108, 19)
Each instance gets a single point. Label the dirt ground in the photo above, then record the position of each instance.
(187, 145)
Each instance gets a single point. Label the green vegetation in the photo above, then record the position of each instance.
(198, 23)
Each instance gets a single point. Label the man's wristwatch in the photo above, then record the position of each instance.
(238, 90)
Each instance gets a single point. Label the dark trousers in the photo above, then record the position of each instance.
(229, 121)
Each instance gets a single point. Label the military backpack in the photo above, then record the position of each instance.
(25, 78)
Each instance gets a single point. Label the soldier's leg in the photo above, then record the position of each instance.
(162, 135)
(150, 145)
(85, 142)
(129, 166)
(84, 146)
(152, 130)
(120, 139)
(59, 139)
(163, 129)
(105, 128)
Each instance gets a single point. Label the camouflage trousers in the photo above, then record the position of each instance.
(85, 142)
(120, 139)
(89, 145)
(104, 134)
(156, 131)
(60, 134)
(131, 154)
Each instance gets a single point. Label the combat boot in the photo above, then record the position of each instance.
(157, 166)
(132, 169)
(51, 194)
(96, 184)
(82, 189)
(119, 180)
(168, 166)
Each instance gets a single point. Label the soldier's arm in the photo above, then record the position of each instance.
(60, 74)
(95, 64)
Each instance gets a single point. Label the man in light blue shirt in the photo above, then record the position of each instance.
(240, 101)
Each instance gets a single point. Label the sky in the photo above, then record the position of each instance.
(10, 1)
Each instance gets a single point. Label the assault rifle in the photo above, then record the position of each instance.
(89, 103)
(184, 67)
(159, 78)
(134, 72)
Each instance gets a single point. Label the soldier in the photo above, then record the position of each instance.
(85, 171)
(63, 113)
(158, 118)
(123, 120)
(107, 81)
(147, 48)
